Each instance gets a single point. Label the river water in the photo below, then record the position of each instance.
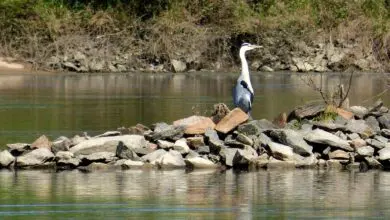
(175, 194)
(69, 104)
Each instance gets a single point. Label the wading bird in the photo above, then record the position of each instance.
(243, 92)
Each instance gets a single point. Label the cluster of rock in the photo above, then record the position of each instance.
(319, 57)
(279, 53)
(354, 138)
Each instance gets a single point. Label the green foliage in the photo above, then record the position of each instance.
(329, 114)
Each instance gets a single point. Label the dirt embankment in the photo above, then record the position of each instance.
(296, 36)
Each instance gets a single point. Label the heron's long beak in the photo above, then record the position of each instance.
(257, 46)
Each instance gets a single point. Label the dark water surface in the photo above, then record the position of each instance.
(196, 195)
(69, 104)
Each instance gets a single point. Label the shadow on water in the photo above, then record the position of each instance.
(68, 104)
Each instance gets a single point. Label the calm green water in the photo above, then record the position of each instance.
(69, 104)
(63, 104)
(197, 195)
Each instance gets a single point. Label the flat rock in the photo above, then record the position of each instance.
(131, 164)
(384, 154)
(41, 142)
(365, 151)
(69, 163)
(171, 160)
(281, 151)
(305, 111)
(139, 129)
(323, 137)
(231, 120)
(103, 157)
(305, 162)
(384, 121)
(78, 139)
(375, 143)
(181, 146)
(6, 158)
(244, 156)
(232, 142)
(358, 142)
(203, 150)
(373, 124)
(329, 126)
(195, 142)
(125, 152)
(339, 155)
(163, 131)
(195, 124)
(95, 166)
(61, 144)
(360, 127)
(372, 162)
(261, 161)
(359, 111)
(36, 157)
(344, 113)
(293, 139)
(244, 139)
(227, 155)
(255, 127)
(353, 136)
(335, 164)
(274, 163)
(200, 163)
(108, 134)
(212, 134)
(385, 132)
(108, 144)
(154, 155)
(165, 144)
(64, 155)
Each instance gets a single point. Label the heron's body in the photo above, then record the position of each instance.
(243, 91)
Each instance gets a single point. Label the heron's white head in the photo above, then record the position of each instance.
(247, 46)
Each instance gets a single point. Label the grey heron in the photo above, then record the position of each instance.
(243, 91)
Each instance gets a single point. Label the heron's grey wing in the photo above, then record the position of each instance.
(242, 97)
(245, 85)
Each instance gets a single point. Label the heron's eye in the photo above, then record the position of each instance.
(245, 44)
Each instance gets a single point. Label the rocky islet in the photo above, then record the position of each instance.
(224, 141)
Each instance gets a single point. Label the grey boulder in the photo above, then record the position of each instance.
(323, 137)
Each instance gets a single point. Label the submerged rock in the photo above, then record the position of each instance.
(171, 160)
(200, 163)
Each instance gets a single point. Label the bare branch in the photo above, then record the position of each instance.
(344, 97)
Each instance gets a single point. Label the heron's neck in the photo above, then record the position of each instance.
(245, 70)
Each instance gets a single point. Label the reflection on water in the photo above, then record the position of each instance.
(67, 104)
(201, 194)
